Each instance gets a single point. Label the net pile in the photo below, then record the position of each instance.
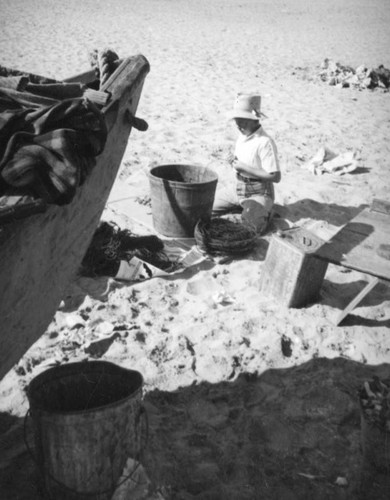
(110, 245)
(220, 236)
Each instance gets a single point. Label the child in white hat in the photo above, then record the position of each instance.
(256, 166)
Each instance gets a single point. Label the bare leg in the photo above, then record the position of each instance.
(255, 215)
(226, 201)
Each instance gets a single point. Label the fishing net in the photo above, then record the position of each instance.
(219, 236)
(110, 245)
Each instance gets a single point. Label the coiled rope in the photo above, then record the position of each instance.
(104, 62)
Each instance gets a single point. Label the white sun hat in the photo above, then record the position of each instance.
(247, 106)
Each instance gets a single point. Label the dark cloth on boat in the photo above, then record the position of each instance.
(48, 145)
(31, 77)
(14, 82)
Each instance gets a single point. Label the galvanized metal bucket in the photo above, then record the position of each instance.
(87, 421)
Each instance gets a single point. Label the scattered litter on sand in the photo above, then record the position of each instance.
(344, 76)
(361, 78)
(327, 161)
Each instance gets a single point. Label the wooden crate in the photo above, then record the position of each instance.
(292, 273)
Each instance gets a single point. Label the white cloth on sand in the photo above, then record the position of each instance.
(326, 160)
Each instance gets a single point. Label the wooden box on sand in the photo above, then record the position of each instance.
(40, 254)
(292, 274)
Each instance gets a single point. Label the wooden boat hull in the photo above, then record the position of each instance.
(40, 255)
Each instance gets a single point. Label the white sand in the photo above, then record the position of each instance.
(201, 53)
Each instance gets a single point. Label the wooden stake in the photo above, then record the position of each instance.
(370, 285)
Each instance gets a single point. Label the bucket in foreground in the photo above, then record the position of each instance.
(87, 421)
(181, 195)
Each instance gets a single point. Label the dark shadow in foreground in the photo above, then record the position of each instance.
(285, 434)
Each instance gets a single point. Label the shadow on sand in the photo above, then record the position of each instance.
(339, 295)
(285, 434)
(331, 213)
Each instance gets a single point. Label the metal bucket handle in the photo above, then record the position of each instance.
(141, 420)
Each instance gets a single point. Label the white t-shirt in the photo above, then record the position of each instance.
(258, 150)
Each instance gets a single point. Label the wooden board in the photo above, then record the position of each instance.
(41, 254)
(356, 301)
(358, 244)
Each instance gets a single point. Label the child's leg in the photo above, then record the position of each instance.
(226, 201)
(256, 212)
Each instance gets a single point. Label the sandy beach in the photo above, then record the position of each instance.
(231, 414)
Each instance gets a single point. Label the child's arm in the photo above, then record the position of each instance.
(230, 158)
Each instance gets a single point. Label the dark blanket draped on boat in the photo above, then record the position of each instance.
(47, 145)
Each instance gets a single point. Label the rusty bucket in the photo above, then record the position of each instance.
(181, 195)
(87, 420)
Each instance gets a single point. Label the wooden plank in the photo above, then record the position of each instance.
(18, 208)
(370, 285)
(357, 245)
(85, 77)
(40, 255)
(97, 97)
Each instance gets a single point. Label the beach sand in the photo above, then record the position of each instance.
(231, 416)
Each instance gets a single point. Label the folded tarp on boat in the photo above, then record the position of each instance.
(48, 145)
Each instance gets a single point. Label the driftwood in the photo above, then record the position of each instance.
(41, 254)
